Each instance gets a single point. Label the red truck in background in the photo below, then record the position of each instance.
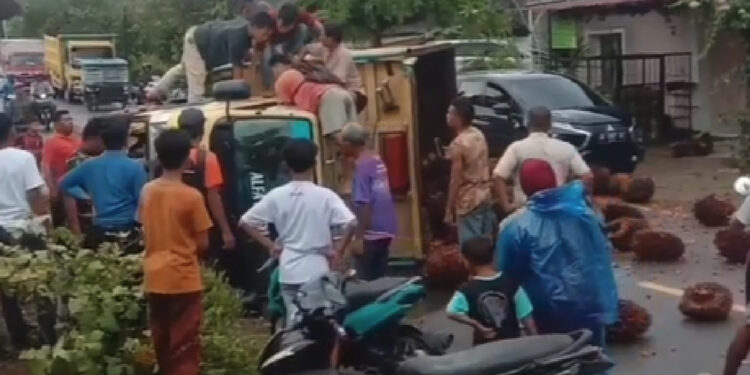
(23, 59)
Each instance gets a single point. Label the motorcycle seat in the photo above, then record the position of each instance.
(488, 359)
(359, 293)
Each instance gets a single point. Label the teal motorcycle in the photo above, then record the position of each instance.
(347, 323)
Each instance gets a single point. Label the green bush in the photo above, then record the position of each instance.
(102, 326)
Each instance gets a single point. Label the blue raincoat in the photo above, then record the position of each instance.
(558, 250)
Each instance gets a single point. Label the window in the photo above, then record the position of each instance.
(91, 53)
(471, 88)
(258, 154)
(553, 92)
(26, 60)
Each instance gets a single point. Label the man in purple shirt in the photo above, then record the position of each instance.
(373, 204)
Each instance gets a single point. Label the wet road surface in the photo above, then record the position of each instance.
(673, 345)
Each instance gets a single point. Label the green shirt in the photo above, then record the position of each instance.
(223, 42)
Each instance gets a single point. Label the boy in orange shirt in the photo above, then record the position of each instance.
(175, 228)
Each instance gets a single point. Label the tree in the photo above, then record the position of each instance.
(149, 31)
(465, 18)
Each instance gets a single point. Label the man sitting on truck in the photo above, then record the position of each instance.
(217, 43)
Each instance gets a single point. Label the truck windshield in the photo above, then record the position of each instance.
(26, 60)
(91, 53)
(258, 156)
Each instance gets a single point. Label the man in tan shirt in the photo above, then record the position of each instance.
(469, 196)
(337, 59)
(562, 156)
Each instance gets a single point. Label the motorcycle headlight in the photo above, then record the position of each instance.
(42, 96)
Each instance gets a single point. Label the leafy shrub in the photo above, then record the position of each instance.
(102, 324)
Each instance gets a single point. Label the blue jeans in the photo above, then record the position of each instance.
(373, 263)
(477, 223)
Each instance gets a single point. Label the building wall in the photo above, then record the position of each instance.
(645, 33)
(717, 71)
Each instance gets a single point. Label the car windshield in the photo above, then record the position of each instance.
(553, 92)
(477, 49)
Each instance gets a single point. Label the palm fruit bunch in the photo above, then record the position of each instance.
(634, 321)
(445, 267)
(707, 301)
(614, 211)
(733, 244)
(601, 180)
(640, 190)
(618, 183)
(713, 212)
(623, 230)
(657, 246)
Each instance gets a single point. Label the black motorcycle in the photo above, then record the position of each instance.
(322, 341)
(557, 354)
(344, 322)
(45, 108)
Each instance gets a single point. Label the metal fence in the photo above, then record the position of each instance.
(655, 88)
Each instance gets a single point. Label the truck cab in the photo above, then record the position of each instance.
(405, 116)
(68, 55)
(23, 59)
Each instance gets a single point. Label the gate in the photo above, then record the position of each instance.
(657, 89)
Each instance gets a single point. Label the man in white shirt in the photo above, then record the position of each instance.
(304, 215)
(21, 198)
(21, 185)
(562, 156)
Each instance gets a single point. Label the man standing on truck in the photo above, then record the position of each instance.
(293, 29)
(217, 43)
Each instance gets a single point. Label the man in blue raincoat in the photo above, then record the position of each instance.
(556, 248)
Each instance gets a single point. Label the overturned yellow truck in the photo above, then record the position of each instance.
(409, 90)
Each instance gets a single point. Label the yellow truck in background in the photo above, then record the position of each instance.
(84, 67)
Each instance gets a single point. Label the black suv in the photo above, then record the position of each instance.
(605, 135)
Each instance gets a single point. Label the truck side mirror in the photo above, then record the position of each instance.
(236, 89)
(226, 91)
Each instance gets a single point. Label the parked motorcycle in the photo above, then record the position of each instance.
(353, 324)
(345, 322)
(45, 108)
(556, 354)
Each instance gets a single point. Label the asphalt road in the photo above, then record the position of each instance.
(673, 345)
(80, 114)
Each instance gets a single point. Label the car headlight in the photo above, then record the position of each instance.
(636, 133)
